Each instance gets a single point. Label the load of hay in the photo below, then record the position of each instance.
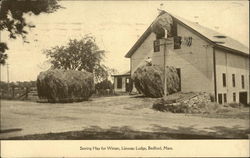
(65, 85)
(161, 24)
(195, 103)
(149, 80)
(190, 102)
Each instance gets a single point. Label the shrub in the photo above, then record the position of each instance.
(105, 84)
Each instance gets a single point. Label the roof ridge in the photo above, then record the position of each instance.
(208, 28)
(212, 36)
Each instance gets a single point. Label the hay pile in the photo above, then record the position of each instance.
(149, 80)
(199, 102)
(65, 85)
(161, 23)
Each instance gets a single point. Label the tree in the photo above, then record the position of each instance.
(3, 85)
(3, 55)
(83, 54)
(12, 20)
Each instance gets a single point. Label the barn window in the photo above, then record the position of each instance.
(174, 29)
(233, 80)
(177, 42)
(242, 81)
(119, 82)
(156, 45)
(225, 98)
(220, 36)
(177, 39)
(234, 97)
(220, 98)
(224, 82)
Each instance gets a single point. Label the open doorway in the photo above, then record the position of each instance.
(243, 98)
(179, 75)
(129, 85)
(220, 98)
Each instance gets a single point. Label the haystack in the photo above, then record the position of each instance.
(65, 85)
(149, 80)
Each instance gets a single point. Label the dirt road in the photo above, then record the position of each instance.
(25, 118)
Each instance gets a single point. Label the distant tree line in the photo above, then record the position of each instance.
(101, 87)
(15, 90)
(18, 84)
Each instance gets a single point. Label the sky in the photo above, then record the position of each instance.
(116, 25)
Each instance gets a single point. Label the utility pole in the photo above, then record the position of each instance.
(0, 63)
(164, 66)
(8, 78)
(166, 42)
(163, 42)
(164, 62)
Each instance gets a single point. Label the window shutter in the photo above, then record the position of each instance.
(156, 45)
(177, 42)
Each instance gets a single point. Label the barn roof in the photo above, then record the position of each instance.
(215, 38)
(127, 73)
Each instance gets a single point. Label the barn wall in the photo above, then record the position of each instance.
(195, 62)
(142, 53)
(229, 64)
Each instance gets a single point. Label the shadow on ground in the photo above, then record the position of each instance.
(217, 132)
(126, 133)
(138, 96)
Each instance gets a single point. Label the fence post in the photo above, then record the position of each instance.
(26, 93)
(13, 92)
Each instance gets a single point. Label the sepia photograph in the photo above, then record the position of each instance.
(124, 70)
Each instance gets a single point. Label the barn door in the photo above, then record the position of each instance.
(220, 98)
(243, 98)
(179, 74)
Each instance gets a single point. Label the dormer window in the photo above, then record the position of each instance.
(157, 45)
(220, 36)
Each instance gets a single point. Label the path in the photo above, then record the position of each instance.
(105, 113)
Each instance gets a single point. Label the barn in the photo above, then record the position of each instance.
(206, 60)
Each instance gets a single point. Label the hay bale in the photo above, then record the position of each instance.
(149, 80)
(162, 23)
(65, 85)
(187, 103)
